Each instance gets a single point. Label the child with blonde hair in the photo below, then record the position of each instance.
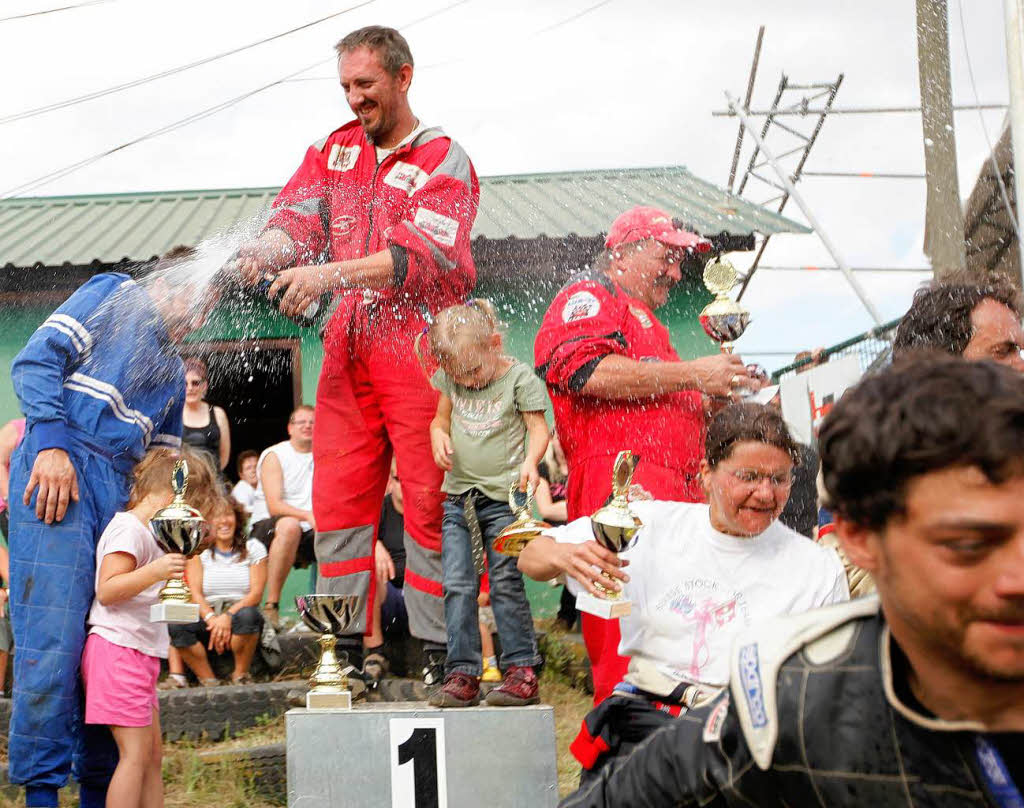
(488, 435)
(121, 661)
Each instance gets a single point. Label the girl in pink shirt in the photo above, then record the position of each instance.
(121, 661)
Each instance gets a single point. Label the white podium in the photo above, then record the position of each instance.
(411, 755)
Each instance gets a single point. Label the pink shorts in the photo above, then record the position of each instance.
(120, 684)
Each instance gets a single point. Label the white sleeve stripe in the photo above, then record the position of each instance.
(168, 440)
(110, 394)
(74, 325)
(67, 332)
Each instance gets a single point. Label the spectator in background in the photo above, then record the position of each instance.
(389, 615)
(283, 512)
(964, 315)
(227, 581)
(10, 436)
(245, 489)
(205, 427)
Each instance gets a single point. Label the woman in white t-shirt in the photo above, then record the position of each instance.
(698, 575)
(227, 581)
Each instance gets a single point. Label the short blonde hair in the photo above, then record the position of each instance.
(474, 321)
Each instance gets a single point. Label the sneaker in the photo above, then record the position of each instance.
(491, 674)
(170, 683)
(459, 690)
(433, 668)
(518, 689)
(350, 660)
(243, 679)
(375, 667)
(272, 615)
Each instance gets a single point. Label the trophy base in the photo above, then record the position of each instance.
(329, 701)
(609, 609)
(174, 613)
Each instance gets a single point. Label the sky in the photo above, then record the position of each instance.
(526, 86)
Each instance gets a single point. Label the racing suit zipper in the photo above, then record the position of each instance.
(373, 198)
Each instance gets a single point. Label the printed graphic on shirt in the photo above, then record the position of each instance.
(580, 306)
(440, 228)
(708, 607)
(342, 158)
(476, 416)
(406, 177)
(641, 316)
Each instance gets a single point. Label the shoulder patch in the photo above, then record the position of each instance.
(641, 316)
(406, 177)
(342, 158)
(441, 229)
(716, 720)
(580, 306)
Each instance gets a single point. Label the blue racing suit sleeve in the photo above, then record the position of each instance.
(168, 433)
(63, 341)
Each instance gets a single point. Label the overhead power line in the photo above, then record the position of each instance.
(59, 173)
(53, 10)
(801, 110)
(81, 99)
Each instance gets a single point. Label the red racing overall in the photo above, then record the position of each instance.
(589, 319)
(419, 202)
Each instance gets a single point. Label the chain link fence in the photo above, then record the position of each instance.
(873, 350)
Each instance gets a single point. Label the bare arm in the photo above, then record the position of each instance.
(272, 251)
(619, 377)
(8, 442)
(537, 436)
(548, 508)
(272, 478)
(441, 435)
(300, 286)
(225, 436)
(544, 558)
(121, 580)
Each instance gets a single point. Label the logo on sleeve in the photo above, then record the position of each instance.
(716, 719)
(342, 158)
(440, 228)
(406, 177)
(580, 306)
(641, 316)
(750, 678)
(343, 226)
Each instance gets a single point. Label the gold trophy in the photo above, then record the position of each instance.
(512, 539)
(178, 528)
(614, 527)
(723, 319)
(328, 615)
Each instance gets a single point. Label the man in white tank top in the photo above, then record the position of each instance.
(282, 512)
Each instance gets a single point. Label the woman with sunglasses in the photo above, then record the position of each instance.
(206, 427)
(698, 574)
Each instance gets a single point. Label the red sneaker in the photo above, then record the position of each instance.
(518, 689)
(459, 690)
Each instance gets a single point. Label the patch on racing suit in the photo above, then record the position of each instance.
(342, 158)
(750, 678)
(641, 316)
(406, 177)
(440, 228)
(580, 306)
(716, 720)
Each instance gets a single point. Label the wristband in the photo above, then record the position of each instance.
(208, 615)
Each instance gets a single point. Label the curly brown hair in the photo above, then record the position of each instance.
(923, 414)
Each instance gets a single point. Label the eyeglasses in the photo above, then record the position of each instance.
(753, 478)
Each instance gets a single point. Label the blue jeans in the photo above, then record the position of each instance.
(461, 587)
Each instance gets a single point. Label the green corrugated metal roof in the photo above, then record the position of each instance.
(56, 230)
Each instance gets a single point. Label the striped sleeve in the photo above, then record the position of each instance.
(61, 343)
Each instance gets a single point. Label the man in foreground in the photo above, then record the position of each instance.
(912, 698)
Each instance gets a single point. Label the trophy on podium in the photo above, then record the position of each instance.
(614, 527)
(328, 615)
(512, 539)
(178, 528)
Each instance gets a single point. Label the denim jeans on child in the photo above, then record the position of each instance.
(461, 587)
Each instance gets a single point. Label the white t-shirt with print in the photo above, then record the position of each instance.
(694, 589)
(127, 623)
(245, 494)
(225, 575)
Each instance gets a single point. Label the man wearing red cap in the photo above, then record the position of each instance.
(617, 383)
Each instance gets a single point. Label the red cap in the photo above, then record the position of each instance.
(643, 222)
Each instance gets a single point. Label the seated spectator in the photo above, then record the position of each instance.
(964, 315)
(245, 489)
(700, 573)
(282, 515)
(227, 581)
(389, 615)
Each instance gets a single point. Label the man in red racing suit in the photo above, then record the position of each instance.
(617, 383)
(379, 213)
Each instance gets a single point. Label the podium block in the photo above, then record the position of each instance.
(411, 755)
